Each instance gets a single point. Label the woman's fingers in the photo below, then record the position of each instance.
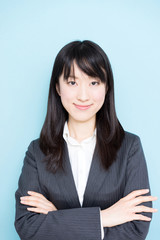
(39, 203)
(139, 209)
(137, 198)
(33, 203)
(128, 209)
(136, 193)
(141, 217)
(36, 194)
(35, 200)
(37, 210)
(142, 199)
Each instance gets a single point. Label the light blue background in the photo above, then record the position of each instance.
(31, 34)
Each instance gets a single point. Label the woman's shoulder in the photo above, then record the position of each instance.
(129, 136)
(34, 146)
(34, 142)
(130, 141)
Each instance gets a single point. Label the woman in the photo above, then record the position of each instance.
(85, 177)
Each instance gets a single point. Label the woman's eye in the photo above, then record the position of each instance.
(72, 83)
(95, 83)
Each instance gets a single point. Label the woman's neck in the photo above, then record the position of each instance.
(81, 130)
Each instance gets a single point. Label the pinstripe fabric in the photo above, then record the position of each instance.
(103, 189)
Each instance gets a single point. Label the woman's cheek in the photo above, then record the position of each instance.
(99, 96)
(67, 97)
(66, 93)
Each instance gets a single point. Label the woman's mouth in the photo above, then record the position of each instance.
(82, 107)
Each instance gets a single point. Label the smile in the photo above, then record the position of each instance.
(82, 107)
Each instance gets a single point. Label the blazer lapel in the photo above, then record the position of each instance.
(66, 182)
(96, 178)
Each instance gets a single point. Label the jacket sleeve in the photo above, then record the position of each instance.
(76, 223)
(136, 178)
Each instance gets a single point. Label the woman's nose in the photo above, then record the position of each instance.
(83, 93)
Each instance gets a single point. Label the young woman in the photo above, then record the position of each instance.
(85, 177)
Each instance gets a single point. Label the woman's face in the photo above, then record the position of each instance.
(82, 97)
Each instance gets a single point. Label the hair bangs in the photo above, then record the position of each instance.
(90, 62)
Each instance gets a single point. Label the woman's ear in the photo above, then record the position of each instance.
(57, 89)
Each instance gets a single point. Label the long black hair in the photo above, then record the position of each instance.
(93, 61)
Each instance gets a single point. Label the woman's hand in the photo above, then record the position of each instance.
(126, 208)
(38, 203)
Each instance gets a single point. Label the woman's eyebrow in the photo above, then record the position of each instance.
(72, 76)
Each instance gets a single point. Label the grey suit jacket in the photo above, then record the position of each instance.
(103, 189)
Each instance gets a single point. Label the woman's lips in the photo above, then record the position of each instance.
(82, 107)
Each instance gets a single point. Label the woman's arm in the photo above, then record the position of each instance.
(77, 223)
(130, 217)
